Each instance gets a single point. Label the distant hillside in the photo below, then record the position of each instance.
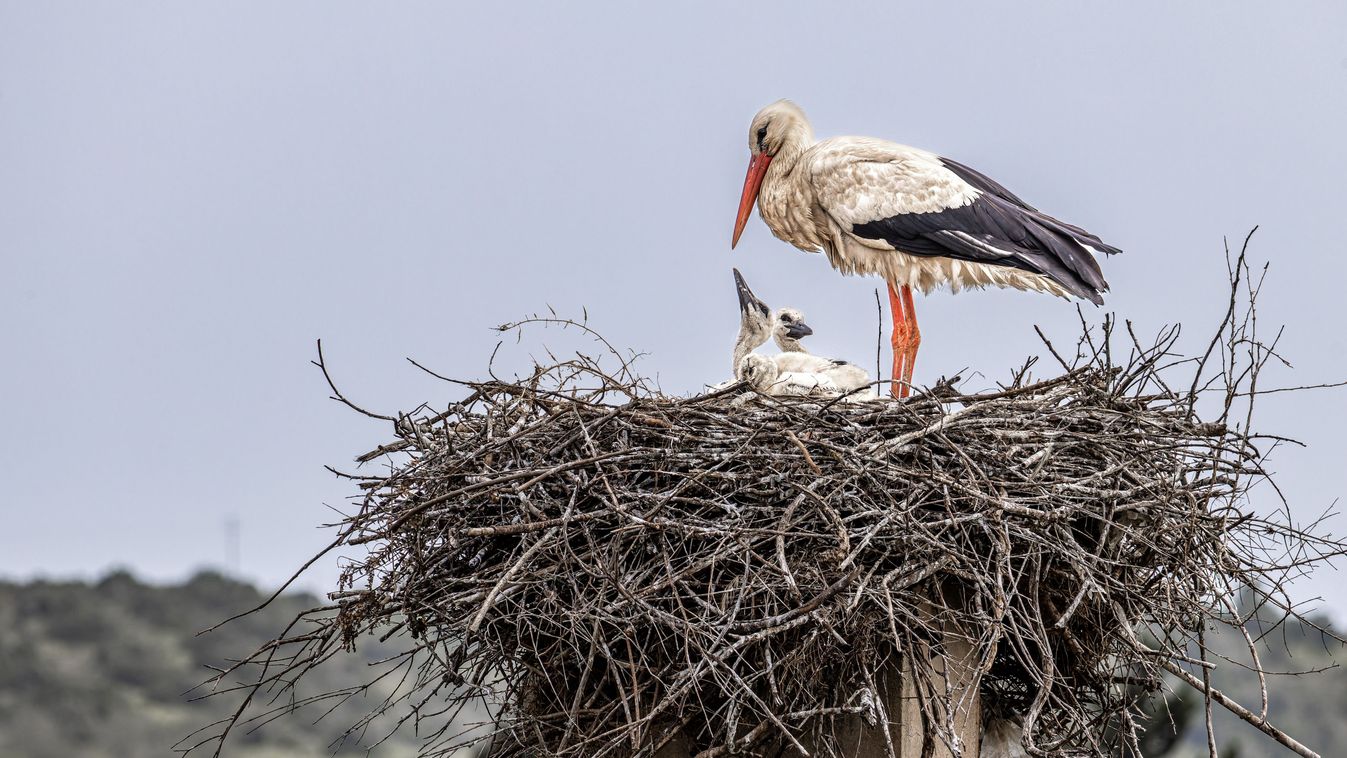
(99, 670)
(95, 671)
(1312, 708)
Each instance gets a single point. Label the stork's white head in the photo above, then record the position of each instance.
(759, 371)
(756, 322)
(779, 125)
(779, 128)
(789, 325)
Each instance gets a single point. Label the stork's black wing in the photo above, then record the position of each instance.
(999, 229)
(985, 183)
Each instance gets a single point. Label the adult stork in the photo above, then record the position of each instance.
(916, 219)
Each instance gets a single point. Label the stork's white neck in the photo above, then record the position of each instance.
(798, 137)
(786, 202)
(782, 201)
(749, 339)
(789, 345)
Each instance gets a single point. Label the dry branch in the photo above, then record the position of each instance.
(607, 569)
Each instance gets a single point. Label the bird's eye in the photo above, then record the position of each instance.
(785, 318)
(762, 137)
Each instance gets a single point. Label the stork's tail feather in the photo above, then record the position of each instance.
(1075, 249)
(1078, 234)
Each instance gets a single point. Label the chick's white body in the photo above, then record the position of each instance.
(765, 375)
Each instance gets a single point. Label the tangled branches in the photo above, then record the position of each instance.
(610, 571)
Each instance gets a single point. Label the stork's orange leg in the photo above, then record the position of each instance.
(898, 340)
(913, 339)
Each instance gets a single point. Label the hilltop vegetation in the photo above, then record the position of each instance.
(1311, 707)
(100, 670)
(95, 670)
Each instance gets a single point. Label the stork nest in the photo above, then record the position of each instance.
(608, 570)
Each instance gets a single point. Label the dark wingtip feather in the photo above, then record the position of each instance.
(1083, 290)
(999, 230)
(986, 184)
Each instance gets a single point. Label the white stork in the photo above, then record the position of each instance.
(916, 219)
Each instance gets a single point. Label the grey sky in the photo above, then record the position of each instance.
(190, 194)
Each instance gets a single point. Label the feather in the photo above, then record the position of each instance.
(993, 230)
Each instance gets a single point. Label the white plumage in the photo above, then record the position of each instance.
(845, 376)
(916, 219)
(788, 327)
(795, 372)
(1002, 738)
(765, 375)
(815, 193)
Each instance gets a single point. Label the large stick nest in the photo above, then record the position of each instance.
(609, 569)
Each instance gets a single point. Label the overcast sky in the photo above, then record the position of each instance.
(192, 193)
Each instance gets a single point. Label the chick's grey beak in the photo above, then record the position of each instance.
(798, 330)
(747, 300)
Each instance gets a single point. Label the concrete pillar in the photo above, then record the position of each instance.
(855, 738)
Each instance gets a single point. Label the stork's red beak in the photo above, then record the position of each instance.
(757, 168)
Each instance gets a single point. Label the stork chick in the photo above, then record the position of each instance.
(758, 321)
(788, 328)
